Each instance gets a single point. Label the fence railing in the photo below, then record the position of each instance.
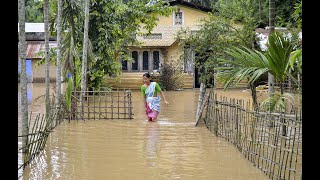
(97, 105)
(271, 141)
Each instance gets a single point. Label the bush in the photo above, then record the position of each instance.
(171, 76)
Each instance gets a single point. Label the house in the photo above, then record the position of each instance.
(35, 43)
(157, 48)
(162, 46)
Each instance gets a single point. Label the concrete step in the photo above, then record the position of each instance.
(133, 80)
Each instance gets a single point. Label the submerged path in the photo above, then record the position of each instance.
(171, 148)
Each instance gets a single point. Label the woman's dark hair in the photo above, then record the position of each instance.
(147, 75)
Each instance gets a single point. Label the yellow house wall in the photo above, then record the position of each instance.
(173, 53)
(191, 17)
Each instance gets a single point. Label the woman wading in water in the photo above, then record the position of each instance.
(150, 92)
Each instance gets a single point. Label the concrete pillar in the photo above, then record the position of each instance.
(150, 60)
(140, 59)
(129, 63)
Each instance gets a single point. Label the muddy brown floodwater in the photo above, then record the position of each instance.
(171, 148)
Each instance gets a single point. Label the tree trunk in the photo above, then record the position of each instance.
(47, 56)
(260, 11)
(201, 97)
(271, 79)
(59, 33)
(254, 96)
(23, 79)
(85, 51)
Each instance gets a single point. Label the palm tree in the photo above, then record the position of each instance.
(272, 11)
(278, 54)
(252, 64)
(85, 49)
(23, 78)
(47, 55)
(71, 13)
(58, 75)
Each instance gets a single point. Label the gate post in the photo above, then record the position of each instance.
(129, 103)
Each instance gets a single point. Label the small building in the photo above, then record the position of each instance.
(35, 43)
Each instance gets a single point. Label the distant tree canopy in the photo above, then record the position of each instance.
(233, 9)
(34, 11)
(257, 9)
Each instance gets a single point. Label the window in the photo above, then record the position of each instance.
(156, 60)
(145, 61)
(124, 65)
(153, 36)
(135, 60)
(188, 60)
(178, 18)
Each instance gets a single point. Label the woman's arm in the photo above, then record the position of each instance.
(164, 98)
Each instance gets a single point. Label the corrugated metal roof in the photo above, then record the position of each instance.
(34, 47)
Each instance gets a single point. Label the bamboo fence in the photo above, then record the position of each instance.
(39, 129)
(96, 105)
(271, 141)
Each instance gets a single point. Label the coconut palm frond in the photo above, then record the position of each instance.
(277, 102)
(69, 93)
(245, 63)
(296, 60)
(278, 54)
(296, 82)
(257, 74)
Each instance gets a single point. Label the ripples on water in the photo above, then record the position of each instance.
(171, 148)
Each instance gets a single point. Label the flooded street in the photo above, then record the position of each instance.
(171, 148)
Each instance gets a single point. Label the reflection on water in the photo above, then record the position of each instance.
(152, 136)
(171, 148)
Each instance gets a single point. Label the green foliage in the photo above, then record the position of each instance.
(245, 63)
(278, 54)
(72, 38)
(287, 12)
(252, 64)
(171, 76)
(34, 11)
(277, 102)
(52, 55)
(209, 43)
(297, 14)
(284, 11)
(239, 10)
(113, 27)
(68, 93)
(296, 60)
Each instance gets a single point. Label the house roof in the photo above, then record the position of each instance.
(191, 5)
(34, 47)
(167, 38)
